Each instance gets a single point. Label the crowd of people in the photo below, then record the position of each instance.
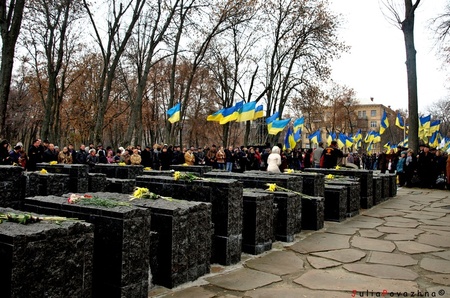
(428, 168)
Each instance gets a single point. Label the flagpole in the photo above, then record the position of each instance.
(404, 131)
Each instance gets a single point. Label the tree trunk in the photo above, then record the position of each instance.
(10, 27)
(408, 33)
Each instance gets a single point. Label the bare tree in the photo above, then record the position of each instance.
(150, 33)
(439, 110)
(10, 23)
(302, 42)
(51, 41)
(406, 24)
(121, 21)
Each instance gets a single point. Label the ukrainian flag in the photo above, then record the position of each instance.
(246, 112)
(434, 126)
(331, 137)
(289, 140)
(259, 112)
(399, 121)
(231, 114)
(272, 118)
(174, 113)
(298, 135)
(387, 145)
(435, 139)
(384, 123)
(315, 137)
(358, 136)
(278, 125)
(216, 116)
(369, 137)
(341, 141)
(376, 137)
(348, 141)
(424, 126)
(299, 123)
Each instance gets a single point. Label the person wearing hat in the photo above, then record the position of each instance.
(15, 154)
(426, 167)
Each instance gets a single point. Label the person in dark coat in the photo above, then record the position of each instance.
(5, 159)
(165, 158)
(426, 167)
(409, 168)
(34, 155)
(146, 156)
(331, 154)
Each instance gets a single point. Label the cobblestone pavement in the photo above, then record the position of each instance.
(399, 248)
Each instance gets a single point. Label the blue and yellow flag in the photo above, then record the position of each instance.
(331, 137)
(231, 114)
(246, 112)
(174, 113)
(298, 135)
(277, 125)
(315, 137)
(272, 118)
(289, 141)
(358, 136)
(259, 112)
(384, 123)
(299, 123)
(216, 116)
(399, 121)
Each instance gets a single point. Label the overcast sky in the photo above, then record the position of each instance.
(375, 66)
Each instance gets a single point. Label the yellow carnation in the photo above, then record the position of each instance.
(54, 162)
(43, 171)
(176, 175)
(272, 186)
(147, 169)
(122, 164)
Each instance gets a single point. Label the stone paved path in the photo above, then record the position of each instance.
(400, 248)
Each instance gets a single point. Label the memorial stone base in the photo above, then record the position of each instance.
(336, 197)
(46, 259)
(181, 246)
(313, 213)
(121, 242)
(12, 187)
(257, 225)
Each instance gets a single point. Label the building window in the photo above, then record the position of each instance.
(359, 114)
(364, 113)
(373, 124)
(373, 113)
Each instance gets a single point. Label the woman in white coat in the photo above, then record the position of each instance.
(274, 160)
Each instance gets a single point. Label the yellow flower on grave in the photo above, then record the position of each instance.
(43, 171)
(337, 167)
(272, 186)
(147, 169)
(289, 171)
(185, 164)
(176, 175)
(329, 176)
(53, 162)
(122, 164)
(139, 192)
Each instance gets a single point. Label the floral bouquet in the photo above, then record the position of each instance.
(95, 201)
(185, 176)
(144, 193)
